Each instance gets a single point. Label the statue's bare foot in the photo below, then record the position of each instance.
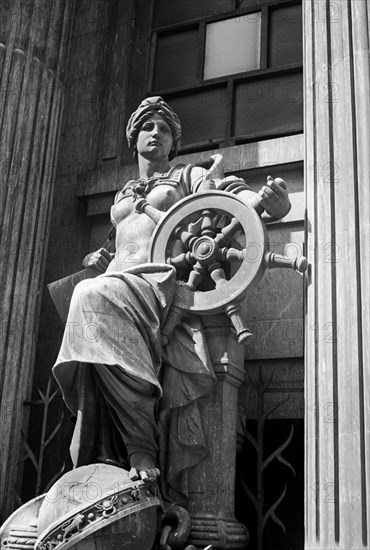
(143, 467)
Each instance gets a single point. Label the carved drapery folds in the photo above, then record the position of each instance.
(337, 346)
(34, 43)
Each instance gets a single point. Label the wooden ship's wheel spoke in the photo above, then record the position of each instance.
(182, 234)
(195, 227)
(196, 276)
(208, 225)
(228, 231)
(217, 274)
(232, 255)
(185, 259)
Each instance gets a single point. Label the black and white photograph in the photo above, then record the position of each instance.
(185, 274)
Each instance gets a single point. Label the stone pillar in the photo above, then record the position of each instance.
(212, 482)
(337, 128)
(34, 43)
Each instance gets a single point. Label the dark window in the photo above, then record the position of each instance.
(176, 59)
(202, 115)
(271, 105)
(285, 45)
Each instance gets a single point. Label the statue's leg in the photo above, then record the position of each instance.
(128, 419)
(113, 334)
(84, 441)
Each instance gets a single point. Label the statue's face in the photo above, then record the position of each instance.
(154, 139)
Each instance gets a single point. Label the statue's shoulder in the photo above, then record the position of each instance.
(181, 174)
(175, 173)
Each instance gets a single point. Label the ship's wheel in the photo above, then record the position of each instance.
(219, 247)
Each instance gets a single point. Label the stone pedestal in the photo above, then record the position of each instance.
(337, 382)
(34, 43)
(212, 485)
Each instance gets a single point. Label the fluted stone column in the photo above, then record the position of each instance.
(34, 43)
(337, 128)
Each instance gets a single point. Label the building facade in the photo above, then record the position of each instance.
(246, 77)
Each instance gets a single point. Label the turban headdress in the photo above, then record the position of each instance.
(147, 108)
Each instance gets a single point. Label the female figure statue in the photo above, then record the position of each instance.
(131, 395)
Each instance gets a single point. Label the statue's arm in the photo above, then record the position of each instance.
(100, 259)
(272, 202)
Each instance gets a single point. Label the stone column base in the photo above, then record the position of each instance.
(222, 534)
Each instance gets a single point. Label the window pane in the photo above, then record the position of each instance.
(202, 115)
(169, 12)
(268, 107)
(285, 44)
(233, 45)
(176, 59)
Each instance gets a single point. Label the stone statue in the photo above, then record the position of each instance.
(133, 386)
(135, 400)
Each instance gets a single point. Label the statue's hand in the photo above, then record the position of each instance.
(98, 260)
(274, 198)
